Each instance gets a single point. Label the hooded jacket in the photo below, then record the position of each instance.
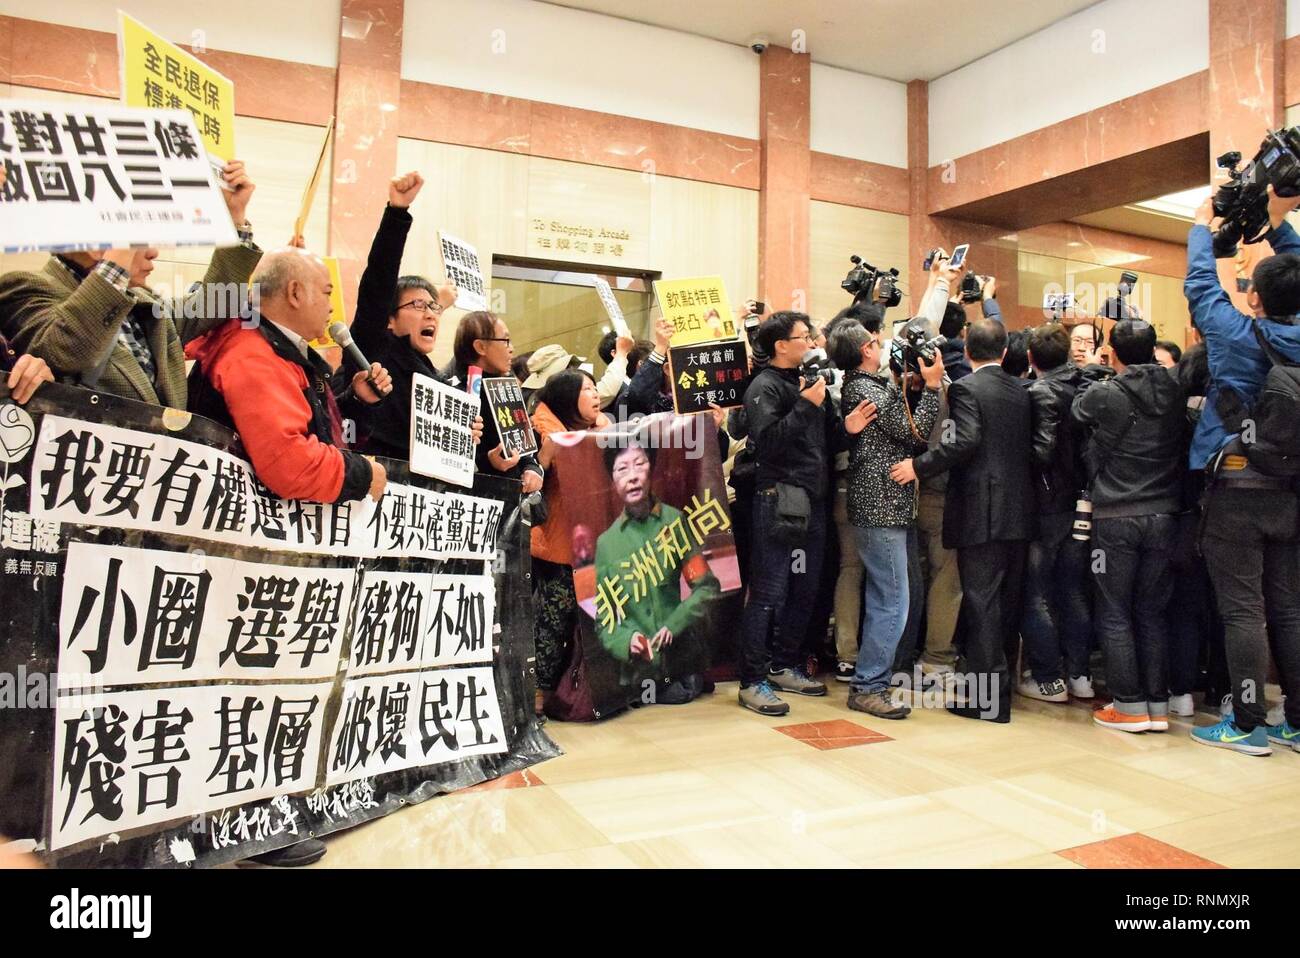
(1137, 439)
(1237, 363)
(1055, 439)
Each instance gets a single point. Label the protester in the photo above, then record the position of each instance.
(266, 383)
(483, 340)
(569, 402)
(396, 325)
(26, 373)
(1168, 353)
(94, 320)
(615, 352)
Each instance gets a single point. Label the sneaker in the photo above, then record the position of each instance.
(792, 680)
(1109, 717)
(879, 704)
(1226, 735)
(1183, 705)
(1053, 691)
(930, 669)
(761, 698)
(844, 671)
(684, 690)
(1081, 687)
(1284, 733)
(1159, 723)
(301, 853)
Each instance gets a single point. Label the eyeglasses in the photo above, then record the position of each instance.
(807, 336)
(420, 305)
(494, 339)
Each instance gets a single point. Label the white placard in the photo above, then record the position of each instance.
(84, 176)
(142, 757)
(442, 443)
(461, 264)
(612, 309)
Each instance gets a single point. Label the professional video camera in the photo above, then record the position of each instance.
(752, 321)
(1243, 200)
(909, 345)
(870, 285)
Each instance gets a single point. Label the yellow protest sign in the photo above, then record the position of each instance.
(698, 309)
(161, 75)
(338, 312)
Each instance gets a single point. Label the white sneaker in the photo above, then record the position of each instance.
(929, 668)
(1225, 707)
(1081, 687)
(1277, 714)
(1053, 691)
(1182, 705)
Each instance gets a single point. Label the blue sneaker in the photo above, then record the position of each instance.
(1284, 734)
(1227, 735)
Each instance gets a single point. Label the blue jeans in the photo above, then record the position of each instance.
(1055, 625)
(783, 583)
(884, 604)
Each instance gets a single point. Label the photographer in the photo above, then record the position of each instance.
(1055, 625)
(882, 513)
(1134, 460)
(789, 422)
(1249, 538)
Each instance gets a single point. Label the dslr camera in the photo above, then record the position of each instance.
(817, 366)
(870, 285)
(909, 346)
(971, 289)
(1243, 200)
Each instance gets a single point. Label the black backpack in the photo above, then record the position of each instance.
(1274, 447)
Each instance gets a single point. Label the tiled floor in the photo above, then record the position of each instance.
(711, 784)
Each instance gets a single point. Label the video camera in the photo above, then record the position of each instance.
(909, 345)
(1243, 200)
(752, 321)
(868, 284)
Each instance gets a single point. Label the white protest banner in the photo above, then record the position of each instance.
(460, 261)
(442, 445)
(92, 176)
(612, 308)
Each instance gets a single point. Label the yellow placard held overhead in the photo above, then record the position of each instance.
(161, 75)
(698, 309)
(338, 312)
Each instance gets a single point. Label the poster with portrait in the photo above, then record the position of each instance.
(653, 554)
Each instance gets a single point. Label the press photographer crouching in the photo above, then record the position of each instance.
(1248, 442)
(882, 512)
(794, 432)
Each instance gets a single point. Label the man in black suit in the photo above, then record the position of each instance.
(989, 513)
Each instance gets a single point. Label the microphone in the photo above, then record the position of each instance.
(340, 333)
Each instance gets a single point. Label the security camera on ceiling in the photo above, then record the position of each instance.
(758, 44)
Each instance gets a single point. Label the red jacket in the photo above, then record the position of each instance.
(265, 384)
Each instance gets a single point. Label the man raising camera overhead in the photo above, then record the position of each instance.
(1248, 442)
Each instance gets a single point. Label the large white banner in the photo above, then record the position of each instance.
(82, 176)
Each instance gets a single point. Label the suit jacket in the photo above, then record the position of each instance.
(72, 324)
(990, 495)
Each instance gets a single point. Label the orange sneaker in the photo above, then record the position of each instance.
(1109, 717)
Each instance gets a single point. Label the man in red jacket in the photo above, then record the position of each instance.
(268, 385)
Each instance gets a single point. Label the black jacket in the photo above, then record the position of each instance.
(955, 363)
(1137, 445)
(793, 440)
(1058, 469)
(386, 427)
(990, 494)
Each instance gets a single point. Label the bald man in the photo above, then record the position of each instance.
(263, 380)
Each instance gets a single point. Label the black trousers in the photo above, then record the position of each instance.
(1252, 548)
(993, 585)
